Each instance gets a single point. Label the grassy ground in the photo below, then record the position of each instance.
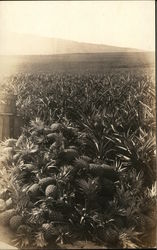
(76, 63)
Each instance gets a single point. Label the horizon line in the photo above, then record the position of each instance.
(80, 53)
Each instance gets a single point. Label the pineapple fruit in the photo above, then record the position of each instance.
(144, 222)
(86, 158)
(2, 205)
(6, 216)
(81, 163)
(52, 136)
(34, 190)
(150, 222)
(15, 222)
(4, 194)
(51, 190)
(29, 167)
(55, 216)
(44, 182)
(23, 229)
(111, 236)
(56, 127)
(9, 203)
(140, 222)
(68, 155)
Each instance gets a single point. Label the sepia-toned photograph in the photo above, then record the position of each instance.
(77, 125)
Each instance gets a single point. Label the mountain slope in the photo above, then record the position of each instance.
(24, 44)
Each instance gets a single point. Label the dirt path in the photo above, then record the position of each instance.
(82, 245)
(6, 237)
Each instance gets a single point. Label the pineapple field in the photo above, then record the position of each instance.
(84, 166)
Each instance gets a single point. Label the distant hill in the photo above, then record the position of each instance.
(25, 44)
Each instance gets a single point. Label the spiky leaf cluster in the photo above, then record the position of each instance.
(86, 166)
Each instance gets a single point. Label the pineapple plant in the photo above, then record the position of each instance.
(36, 216)
(63, 234)
(49, 231)
(63, 167)
(128, 238)
(23, 238)
(11, 142)
(40, 241)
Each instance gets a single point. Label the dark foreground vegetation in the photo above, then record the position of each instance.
(84, 167)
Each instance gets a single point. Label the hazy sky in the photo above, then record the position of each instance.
(120, 23)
